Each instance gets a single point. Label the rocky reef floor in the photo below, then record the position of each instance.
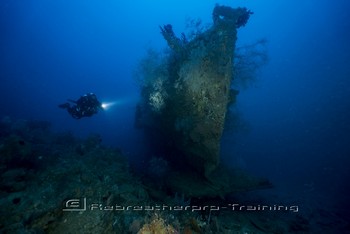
(57, 183)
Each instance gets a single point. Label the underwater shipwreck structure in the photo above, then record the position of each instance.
(185, 100)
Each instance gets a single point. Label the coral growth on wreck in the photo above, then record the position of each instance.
(185, 97)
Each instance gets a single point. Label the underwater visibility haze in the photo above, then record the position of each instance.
(242, 107)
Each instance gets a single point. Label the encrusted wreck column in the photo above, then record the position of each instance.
(202, 77)
(191, 98)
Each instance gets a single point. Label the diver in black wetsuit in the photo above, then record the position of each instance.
(86, 106)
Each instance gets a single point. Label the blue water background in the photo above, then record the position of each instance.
(296, 115)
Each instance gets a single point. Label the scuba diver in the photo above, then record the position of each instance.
(86, 106)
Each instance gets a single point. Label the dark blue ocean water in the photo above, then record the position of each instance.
(296, 115)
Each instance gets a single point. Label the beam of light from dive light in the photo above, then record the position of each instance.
(120, 101)
(108, 105)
